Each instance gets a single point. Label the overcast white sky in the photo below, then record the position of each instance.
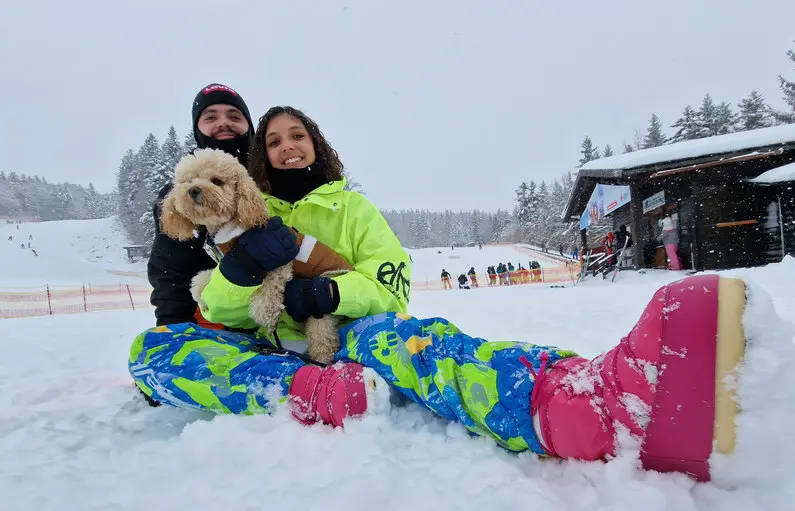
(431, 104)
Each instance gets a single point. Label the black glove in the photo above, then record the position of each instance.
(258, 251)
(310, 297)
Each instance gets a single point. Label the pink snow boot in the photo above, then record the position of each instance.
(334, 393)
(664, 383)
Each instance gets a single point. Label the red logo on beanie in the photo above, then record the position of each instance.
(218, 87)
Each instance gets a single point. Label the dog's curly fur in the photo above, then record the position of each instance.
(212, 189)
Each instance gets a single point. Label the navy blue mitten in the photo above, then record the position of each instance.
(310, 297)
(258, 251)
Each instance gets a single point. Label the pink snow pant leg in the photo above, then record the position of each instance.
(673, 258)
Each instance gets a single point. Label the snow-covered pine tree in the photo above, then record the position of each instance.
(419, 230)
(154, 176)
(91, 202)
(568, 183)
(542, 223)
(523, 208)
(26, 203)
(189, 144)
(127, 181)
(146, 223)
(559, 196)
(461, 230)
(62, 203)
(608, 151)
(687, 126)
(445, 234)
(706, 118)
(754, 113)
(725, 119)
(788, 88)
(533, 201)
(170, 153)
(9, 206)
(109, 203)
(654, 135)
(501, 225)
(474, 227)
(40, 198)
(588, 151)
(153, 167)
(628, 148)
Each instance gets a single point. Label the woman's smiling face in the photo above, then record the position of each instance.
(288, 144)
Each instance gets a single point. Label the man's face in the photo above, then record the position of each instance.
(222, 122)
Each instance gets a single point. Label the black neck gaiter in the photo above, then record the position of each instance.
(237, 147)
(293, 184)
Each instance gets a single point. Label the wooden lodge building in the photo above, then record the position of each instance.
(732, 197)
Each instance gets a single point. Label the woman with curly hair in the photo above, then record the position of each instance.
(524, 396)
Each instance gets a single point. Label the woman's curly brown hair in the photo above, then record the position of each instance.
(259, 165)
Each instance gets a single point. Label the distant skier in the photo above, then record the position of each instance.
(492, 273)
(446, 279)
(473, 276)
(462, 282)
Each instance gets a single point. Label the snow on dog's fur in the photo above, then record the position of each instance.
(212, 189)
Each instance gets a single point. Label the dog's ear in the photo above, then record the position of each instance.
(172, 223)
(250, 204)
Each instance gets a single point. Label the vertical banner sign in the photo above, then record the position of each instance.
(604, 200)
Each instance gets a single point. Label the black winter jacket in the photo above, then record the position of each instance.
(172, 265)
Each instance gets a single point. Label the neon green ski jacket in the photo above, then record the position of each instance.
(353, 227)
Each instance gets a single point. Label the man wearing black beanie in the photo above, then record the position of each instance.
(221, 120)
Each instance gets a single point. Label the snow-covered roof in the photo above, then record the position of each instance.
(695, 148)
(778, 175)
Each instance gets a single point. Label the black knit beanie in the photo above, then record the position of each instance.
(219, 94)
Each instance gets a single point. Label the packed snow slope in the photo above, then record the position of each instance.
(78, 252)
(428, 263)
(75, 435)
(67, 252)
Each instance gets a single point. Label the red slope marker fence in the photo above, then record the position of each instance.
(54, 300)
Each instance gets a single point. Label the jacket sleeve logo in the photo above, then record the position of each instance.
(392, 277)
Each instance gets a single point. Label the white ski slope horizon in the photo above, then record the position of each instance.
(69, 252)
(75, 434)
(78, 252)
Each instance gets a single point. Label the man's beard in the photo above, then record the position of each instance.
(237, 146)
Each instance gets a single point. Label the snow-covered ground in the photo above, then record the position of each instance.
(70, 253)
(428, 262)
(75, 435)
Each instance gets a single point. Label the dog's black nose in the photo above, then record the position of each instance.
(195, 192)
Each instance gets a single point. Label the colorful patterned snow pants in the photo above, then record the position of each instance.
(481, 384)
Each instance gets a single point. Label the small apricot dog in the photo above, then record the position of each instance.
(212, 189)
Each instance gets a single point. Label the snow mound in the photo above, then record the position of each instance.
(767, 389)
